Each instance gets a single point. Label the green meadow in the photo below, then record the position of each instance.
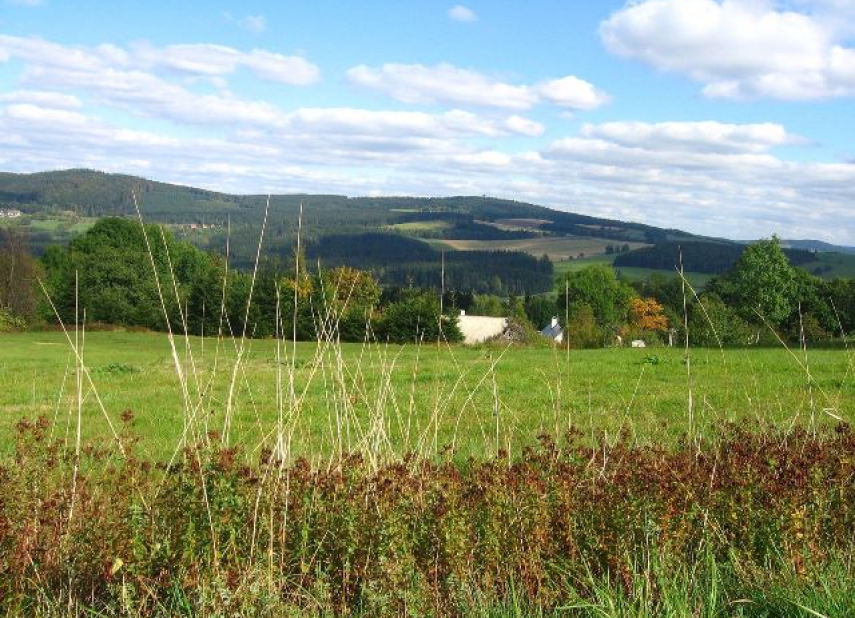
(389, 400)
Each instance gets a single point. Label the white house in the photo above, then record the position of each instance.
(9, 213)
(553, 331)
(480, 328)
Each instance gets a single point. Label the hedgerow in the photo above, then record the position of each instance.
(210, 535)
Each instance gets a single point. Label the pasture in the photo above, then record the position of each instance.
(562, 267)
(556, 247)
(488, 518)
(389, 400)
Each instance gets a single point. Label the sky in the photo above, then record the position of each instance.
(731, 118)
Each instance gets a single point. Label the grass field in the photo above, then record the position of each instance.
(57, 224)
(624, 520)
(698, 280)
(831, 265)
(392, 399)
(556, 247)
(415, 227)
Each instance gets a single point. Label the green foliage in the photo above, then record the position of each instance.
(400, 261)
(108, 272)
(116, 369)
(488, 304)
(539, 310)
(18, 275)
(597, 288)
(416, 318)
(10, 322)
(713, 323)
(583, 330)
(713, 257)
(763, 281)
(842, 300)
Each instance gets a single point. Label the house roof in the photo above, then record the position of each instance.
(552, 331)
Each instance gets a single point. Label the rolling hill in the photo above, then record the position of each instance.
(59, 204)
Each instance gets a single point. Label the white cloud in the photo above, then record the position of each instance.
(60, 118)
(486, 158)
(282, 69)
(709, 177)
(741, 48)
(524, 126)
(203, 60)
(446, 83)
(40, 97)
(381, 123)
(254, 23)
(701, 137)
(462, 14)
(574, 93)
(219, 60)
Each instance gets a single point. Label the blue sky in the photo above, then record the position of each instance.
(724, 117)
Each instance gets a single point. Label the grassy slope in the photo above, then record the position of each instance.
(556, 247)
(831, 265)
(599, 391)
(698, 280)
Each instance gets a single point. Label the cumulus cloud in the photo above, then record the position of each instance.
(524, 126)
(462, 14)
(741, 48)
(707, 177)
(574, 93)
(70, 105)
(446, 83)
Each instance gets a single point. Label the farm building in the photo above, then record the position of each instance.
(553, 331)
(480, 328)
(9, 213)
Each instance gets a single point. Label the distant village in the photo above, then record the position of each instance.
(9, 213)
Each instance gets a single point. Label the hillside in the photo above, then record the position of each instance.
(811, 245)
(89, 193)
(58, 205)
(479, 231)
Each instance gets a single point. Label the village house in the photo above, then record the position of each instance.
(480, 328)
(553, 331)
(9, 213)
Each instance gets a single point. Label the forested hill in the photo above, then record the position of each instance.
(95, 194)
(490, 244)
(701, 257)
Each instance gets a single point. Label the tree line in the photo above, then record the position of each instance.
(697, 256)
(125, 274)
(761, 299)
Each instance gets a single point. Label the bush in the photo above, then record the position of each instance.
(416, 318)
(9, 322)
(209, 536)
